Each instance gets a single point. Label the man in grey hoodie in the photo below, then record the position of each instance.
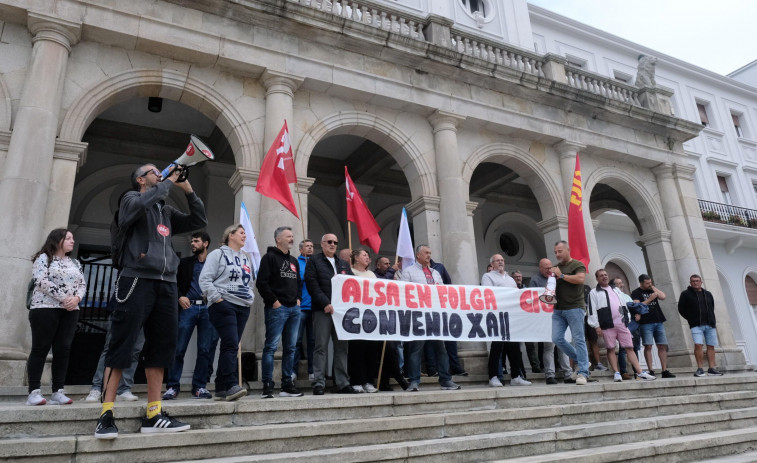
(146, 292)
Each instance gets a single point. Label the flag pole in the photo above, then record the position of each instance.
(302, 220)
(349, 235)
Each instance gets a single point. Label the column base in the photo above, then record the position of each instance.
(12, 372)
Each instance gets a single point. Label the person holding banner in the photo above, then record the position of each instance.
(570, 309)
(421, 272)
(319, 271)
(363, 358)
(498, 277)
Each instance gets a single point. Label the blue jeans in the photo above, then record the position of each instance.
(282, 322)
(127, 376)
(306, 329)
(415, 352)
(573, 318)
(229, 320)
(189, 318)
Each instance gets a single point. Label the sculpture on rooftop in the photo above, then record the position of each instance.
(645, 71)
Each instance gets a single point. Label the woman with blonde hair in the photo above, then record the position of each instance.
(59, 287)
(226, 282)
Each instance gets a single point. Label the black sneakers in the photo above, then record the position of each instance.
(106, 426)
(162, 423)
(267, 390)
(288, 389)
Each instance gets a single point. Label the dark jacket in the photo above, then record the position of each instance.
(279, 278)
(389, 275)
(184, 274)
(318, 275)
(439, 267)
(688, 307)
(149, 252)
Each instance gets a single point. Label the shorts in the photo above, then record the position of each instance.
(653, 333)
(705, 334)
(152, 305)
(590, 333)
(619, 334)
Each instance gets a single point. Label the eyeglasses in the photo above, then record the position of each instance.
(153, 170)
(334, 242)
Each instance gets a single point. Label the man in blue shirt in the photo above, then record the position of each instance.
(306, 315)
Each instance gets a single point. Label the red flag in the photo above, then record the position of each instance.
(579, 250)
(278, 172)
(358, 213)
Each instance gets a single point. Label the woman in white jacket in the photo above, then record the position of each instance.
(226, 282)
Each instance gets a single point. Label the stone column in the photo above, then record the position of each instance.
(67, 158)
(568, 151)
(691, 249)
(554, 229)
(25, 181)
(458, 249)
(280, 90)
(423, 213)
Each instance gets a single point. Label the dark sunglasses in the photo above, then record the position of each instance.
(335, 243)
(154, 171)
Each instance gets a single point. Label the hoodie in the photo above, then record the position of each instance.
(279, 278)
(227, 275)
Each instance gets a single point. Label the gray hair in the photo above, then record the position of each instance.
(279, 231)
(491, 259)
(302, 243)
(421, 246)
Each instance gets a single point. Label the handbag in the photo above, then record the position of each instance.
(30, 293)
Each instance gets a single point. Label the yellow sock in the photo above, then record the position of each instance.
(106, 406)
(153, 408)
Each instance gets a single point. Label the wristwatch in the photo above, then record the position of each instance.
(562, 276)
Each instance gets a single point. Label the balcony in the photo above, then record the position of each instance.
(725, 213)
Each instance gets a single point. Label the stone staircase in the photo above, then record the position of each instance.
(682, 419)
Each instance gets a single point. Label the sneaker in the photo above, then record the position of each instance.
(318, 390)
(617, 378)
(569, 380)
(710, 371)
(59, 398)
(289, 390)
(581, 380)
(627, 376)
(349, 390)
(651, 372)
(221, 395)
(450, 386)
(201, 393)
(495, 382)
(126, 397)
(267, 390)
(600, 367)
(161, 423)
(551, 380)
(699, 372)
(667, 374)
(170, 394)
(35, 398)
(359, 389)
(93, 396)
(233, 393)
(106, 426)
(369, 388)
(460, 373)
(414, 387)
(519, 381)
(647, 376)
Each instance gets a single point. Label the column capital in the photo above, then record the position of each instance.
(242, 178)
(74, 151)
(303, 185)
(44, 27)
(684, 171)
(279, 82)
(444, 120)
(553, 223)
(471, 207)
(568, 148)
(662, 236)
(422, 204)
(663, 170)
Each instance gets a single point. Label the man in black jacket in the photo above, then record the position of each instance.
(193, 312)
(697, 306)
(280, 286)
(318, 273)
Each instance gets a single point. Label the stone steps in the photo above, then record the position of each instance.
(473, 424)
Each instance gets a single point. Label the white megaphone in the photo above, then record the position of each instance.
(196, 152)
(548, 296)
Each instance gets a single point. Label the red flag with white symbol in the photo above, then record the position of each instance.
(278, 172)
(358, 213)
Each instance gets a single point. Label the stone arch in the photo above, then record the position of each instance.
(624, 263)
(419, 173)
(6, 108)
(527, 233)
(170, 84)
(644, 203)
(541, 182)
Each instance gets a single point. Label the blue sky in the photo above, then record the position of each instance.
(717, 35)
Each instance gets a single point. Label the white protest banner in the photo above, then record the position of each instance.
(376, 309)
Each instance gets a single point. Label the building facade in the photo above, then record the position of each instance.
(469, 113)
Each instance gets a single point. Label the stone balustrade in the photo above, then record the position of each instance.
(603, 86)
(480, 48)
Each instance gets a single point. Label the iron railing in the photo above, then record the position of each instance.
(725, 213)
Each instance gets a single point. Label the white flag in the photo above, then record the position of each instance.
(405, 242)
(251, 244)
